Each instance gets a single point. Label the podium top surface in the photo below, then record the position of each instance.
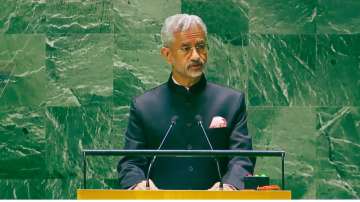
(181, 194)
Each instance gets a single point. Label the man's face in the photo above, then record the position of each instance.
(187, 53)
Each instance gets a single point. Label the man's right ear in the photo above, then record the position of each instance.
(165, 52)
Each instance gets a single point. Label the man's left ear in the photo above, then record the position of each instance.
(165, 52)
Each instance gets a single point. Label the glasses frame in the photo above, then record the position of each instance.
(201, 48)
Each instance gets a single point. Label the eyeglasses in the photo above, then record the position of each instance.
(201, 48)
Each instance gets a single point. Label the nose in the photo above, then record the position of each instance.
(194, 55)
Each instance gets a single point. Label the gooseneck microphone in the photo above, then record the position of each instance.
(199, 120)
(173, 122)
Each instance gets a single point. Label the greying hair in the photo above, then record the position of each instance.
(179, 23)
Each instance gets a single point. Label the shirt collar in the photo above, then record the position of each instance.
(177, 83)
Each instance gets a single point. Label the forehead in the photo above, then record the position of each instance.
(193, 34)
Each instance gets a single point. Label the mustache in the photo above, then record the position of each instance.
(196, 63)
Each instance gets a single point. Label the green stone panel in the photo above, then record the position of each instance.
(48, 188)
(338, 61)
(22, 143)
(146, 65)
(66, 188)
(94, 16)
(142, 16)
(284, 129)
(126, 85)
(338, 152)
(22, 16)
(23, 78)
(281, 70)
(65, 126)
(103, 177)
(27, 51)
(138, 43)
(61, 188)
(226, 19)
(226, 64)
(78, 128)
(294, 131)
(119, 122)
(81, 73)
(39, 188)
(282, 16)
(22, 189)
(141, 60)
(74, 129)
(338, 17)
(260, 121)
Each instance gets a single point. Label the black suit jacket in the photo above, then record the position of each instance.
(150, 117)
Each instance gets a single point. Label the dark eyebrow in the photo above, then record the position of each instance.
(185, 44)
(197, 42)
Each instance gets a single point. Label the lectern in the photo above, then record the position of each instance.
(183, 194)
(180, 194)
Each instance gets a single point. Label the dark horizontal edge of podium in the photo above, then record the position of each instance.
(185, 153)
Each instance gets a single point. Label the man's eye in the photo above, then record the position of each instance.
(200, 46)
(186, 48)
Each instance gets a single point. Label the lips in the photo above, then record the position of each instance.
(197, 66)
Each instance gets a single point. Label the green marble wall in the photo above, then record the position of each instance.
(69, 68)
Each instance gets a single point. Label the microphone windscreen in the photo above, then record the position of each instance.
(198, 118)
(174, 119)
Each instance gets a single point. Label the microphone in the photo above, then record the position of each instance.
(199, 120)
(173, 122)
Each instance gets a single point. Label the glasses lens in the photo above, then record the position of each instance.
(200, 48)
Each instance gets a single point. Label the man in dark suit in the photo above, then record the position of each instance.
(186, 95)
